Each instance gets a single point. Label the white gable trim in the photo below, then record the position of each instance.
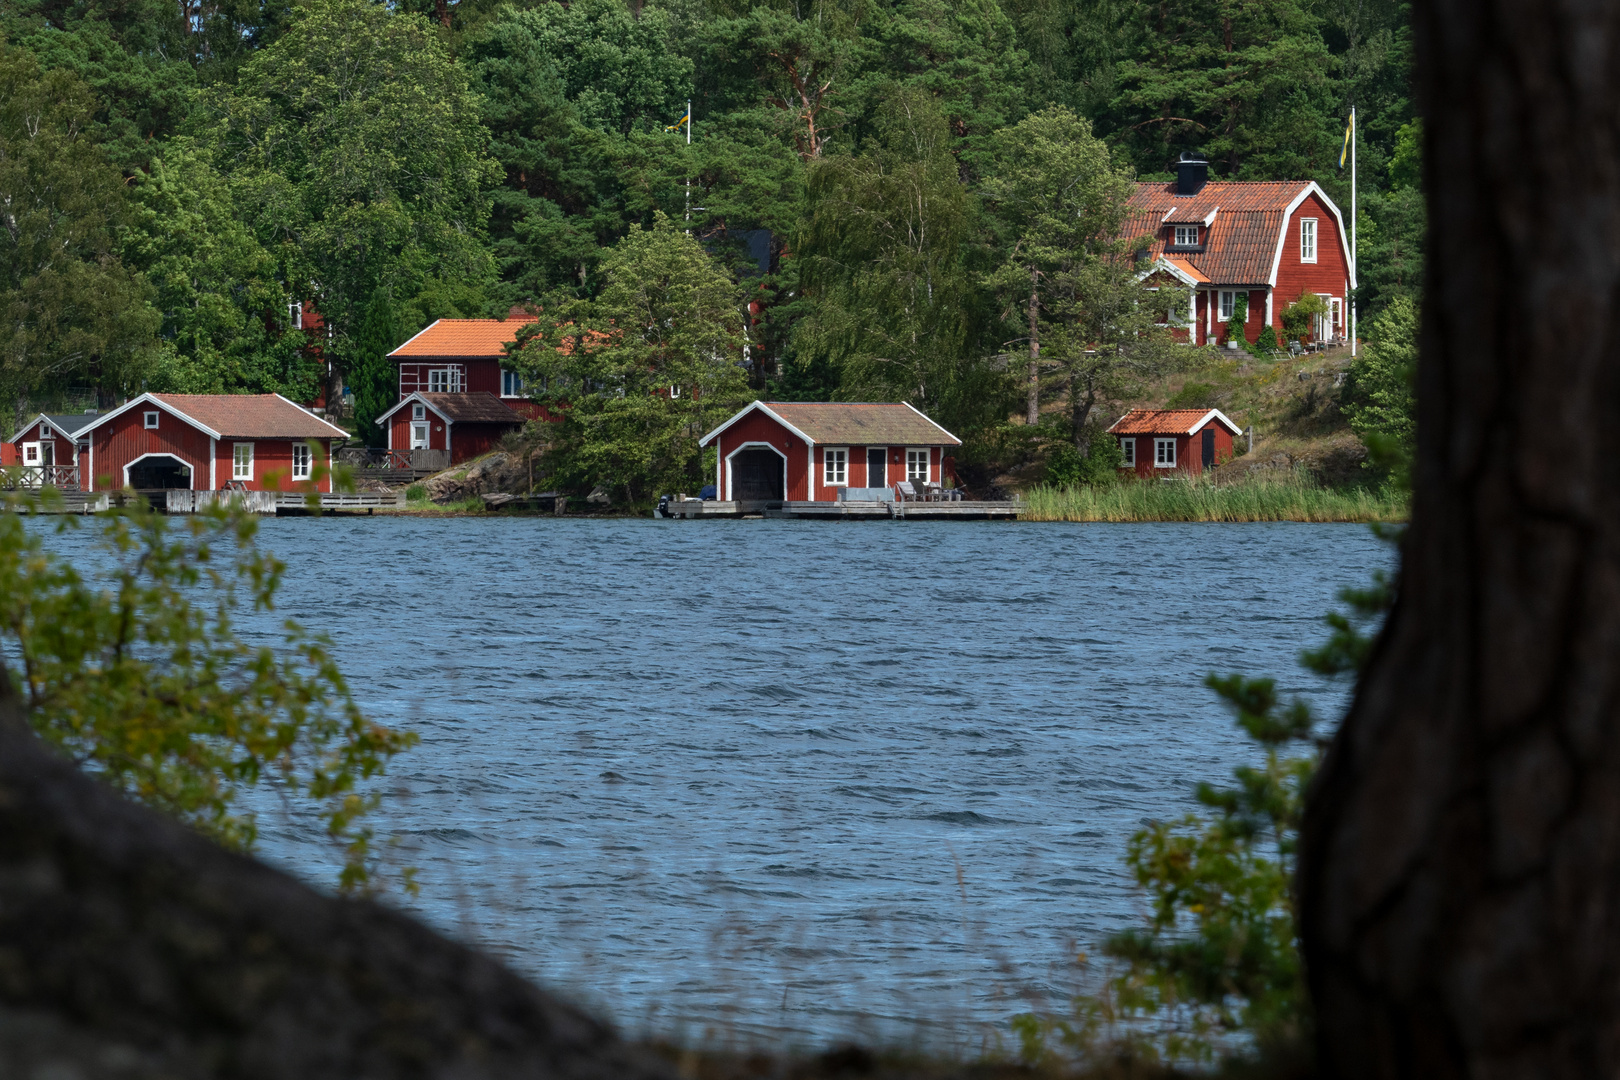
(1163, 263)
(150, 399)
(1288, 217)
(339, 431)
(1210, 220)
(1215, 414)
(416, 335)
(754, 406)
(44, 423)
(941, 430)
(406, 401)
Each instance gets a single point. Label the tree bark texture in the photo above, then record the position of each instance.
(1032, 408)
(1460, 864)
(131, 947)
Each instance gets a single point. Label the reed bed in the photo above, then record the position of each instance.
(1285, 498)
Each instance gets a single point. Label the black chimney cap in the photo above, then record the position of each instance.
(1192, 173)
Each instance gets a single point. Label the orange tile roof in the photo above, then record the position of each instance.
(1168, 421)
(470, 338)
(251, 416)
(1241, 242)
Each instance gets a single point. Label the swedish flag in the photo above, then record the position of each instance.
(687, 119)
(1348, 131)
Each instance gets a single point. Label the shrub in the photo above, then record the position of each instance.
(416, 493)
(1298, 317)
(1194, 395)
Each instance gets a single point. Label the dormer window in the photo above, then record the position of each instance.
(1307, 240)
(1186, 236)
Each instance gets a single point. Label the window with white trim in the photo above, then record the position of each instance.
(242, 461)
(1164, 453)
(1186, 236)
(418, 411)
(295, 315)
(917, 465)
(1307, 240)
(1127, 449)
(31, 453)
(149, 420)
(302, 461)
(511, 384)
(1228, 303)
(444, 380)
(834, 466)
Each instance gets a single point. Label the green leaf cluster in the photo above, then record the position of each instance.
(642, 371)
(138, 673)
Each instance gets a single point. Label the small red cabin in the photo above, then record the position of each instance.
(1160, 442)
(50, 442)
(807, 451)
(466, 425)
(208, 442)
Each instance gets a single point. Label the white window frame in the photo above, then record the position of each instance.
(1164, 453)
(927, 463)
(1186, 236)
(1228, 303)
(241, 469)
(149, 419)
(450, 378)
(418, 411)
(31, 453)
(1307, 240)
(421, 437)
(1127, 448)
(303, 461)
(295, 315)
(511, 384)
(832, 476)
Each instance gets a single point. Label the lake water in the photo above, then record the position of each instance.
(762, 777)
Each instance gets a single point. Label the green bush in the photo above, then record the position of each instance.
(1298, 317)
(1194, 395)
(416, 493)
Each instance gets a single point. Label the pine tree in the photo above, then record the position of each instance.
(373, 379)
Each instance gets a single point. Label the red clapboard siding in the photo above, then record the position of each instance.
(123, 440)
(759, 428)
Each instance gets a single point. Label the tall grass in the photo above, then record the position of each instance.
(1288, 497)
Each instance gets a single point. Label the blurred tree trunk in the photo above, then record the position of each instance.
(1460, 867)
(133, 948)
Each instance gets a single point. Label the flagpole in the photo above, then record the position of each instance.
(688, 179)
(1354, 252)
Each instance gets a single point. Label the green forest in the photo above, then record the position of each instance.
(847, 214)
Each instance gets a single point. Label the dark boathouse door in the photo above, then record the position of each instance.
(756, 475)
(876, 467)
(1209, 447)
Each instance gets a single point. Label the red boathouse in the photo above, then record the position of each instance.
(807, 451)
(1159, 442)
(207, 442)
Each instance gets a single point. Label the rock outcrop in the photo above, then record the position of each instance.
(133, 948)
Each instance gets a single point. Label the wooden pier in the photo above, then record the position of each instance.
(850, 510)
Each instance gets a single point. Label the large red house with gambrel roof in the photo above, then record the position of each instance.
(806, 451)
(1268, 241)
(208, 442)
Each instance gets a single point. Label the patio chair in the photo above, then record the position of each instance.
(906, 491)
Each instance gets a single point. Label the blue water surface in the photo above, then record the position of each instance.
(801, 780)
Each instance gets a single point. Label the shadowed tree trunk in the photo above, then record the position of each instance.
(131, 947)
(1460, 866)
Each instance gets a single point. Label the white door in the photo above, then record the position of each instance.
(419, 436)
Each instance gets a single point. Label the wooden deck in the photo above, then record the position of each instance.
(849, 511)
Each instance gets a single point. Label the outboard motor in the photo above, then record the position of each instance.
(662, 510)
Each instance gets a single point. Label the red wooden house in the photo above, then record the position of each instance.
(466, 356)
(49, 441)
(1270, 242)
(807, 451)
(466, 425)
(207, 442)
(1160, 442)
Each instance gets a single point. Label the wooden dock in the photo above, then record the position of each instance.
(852, 510)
